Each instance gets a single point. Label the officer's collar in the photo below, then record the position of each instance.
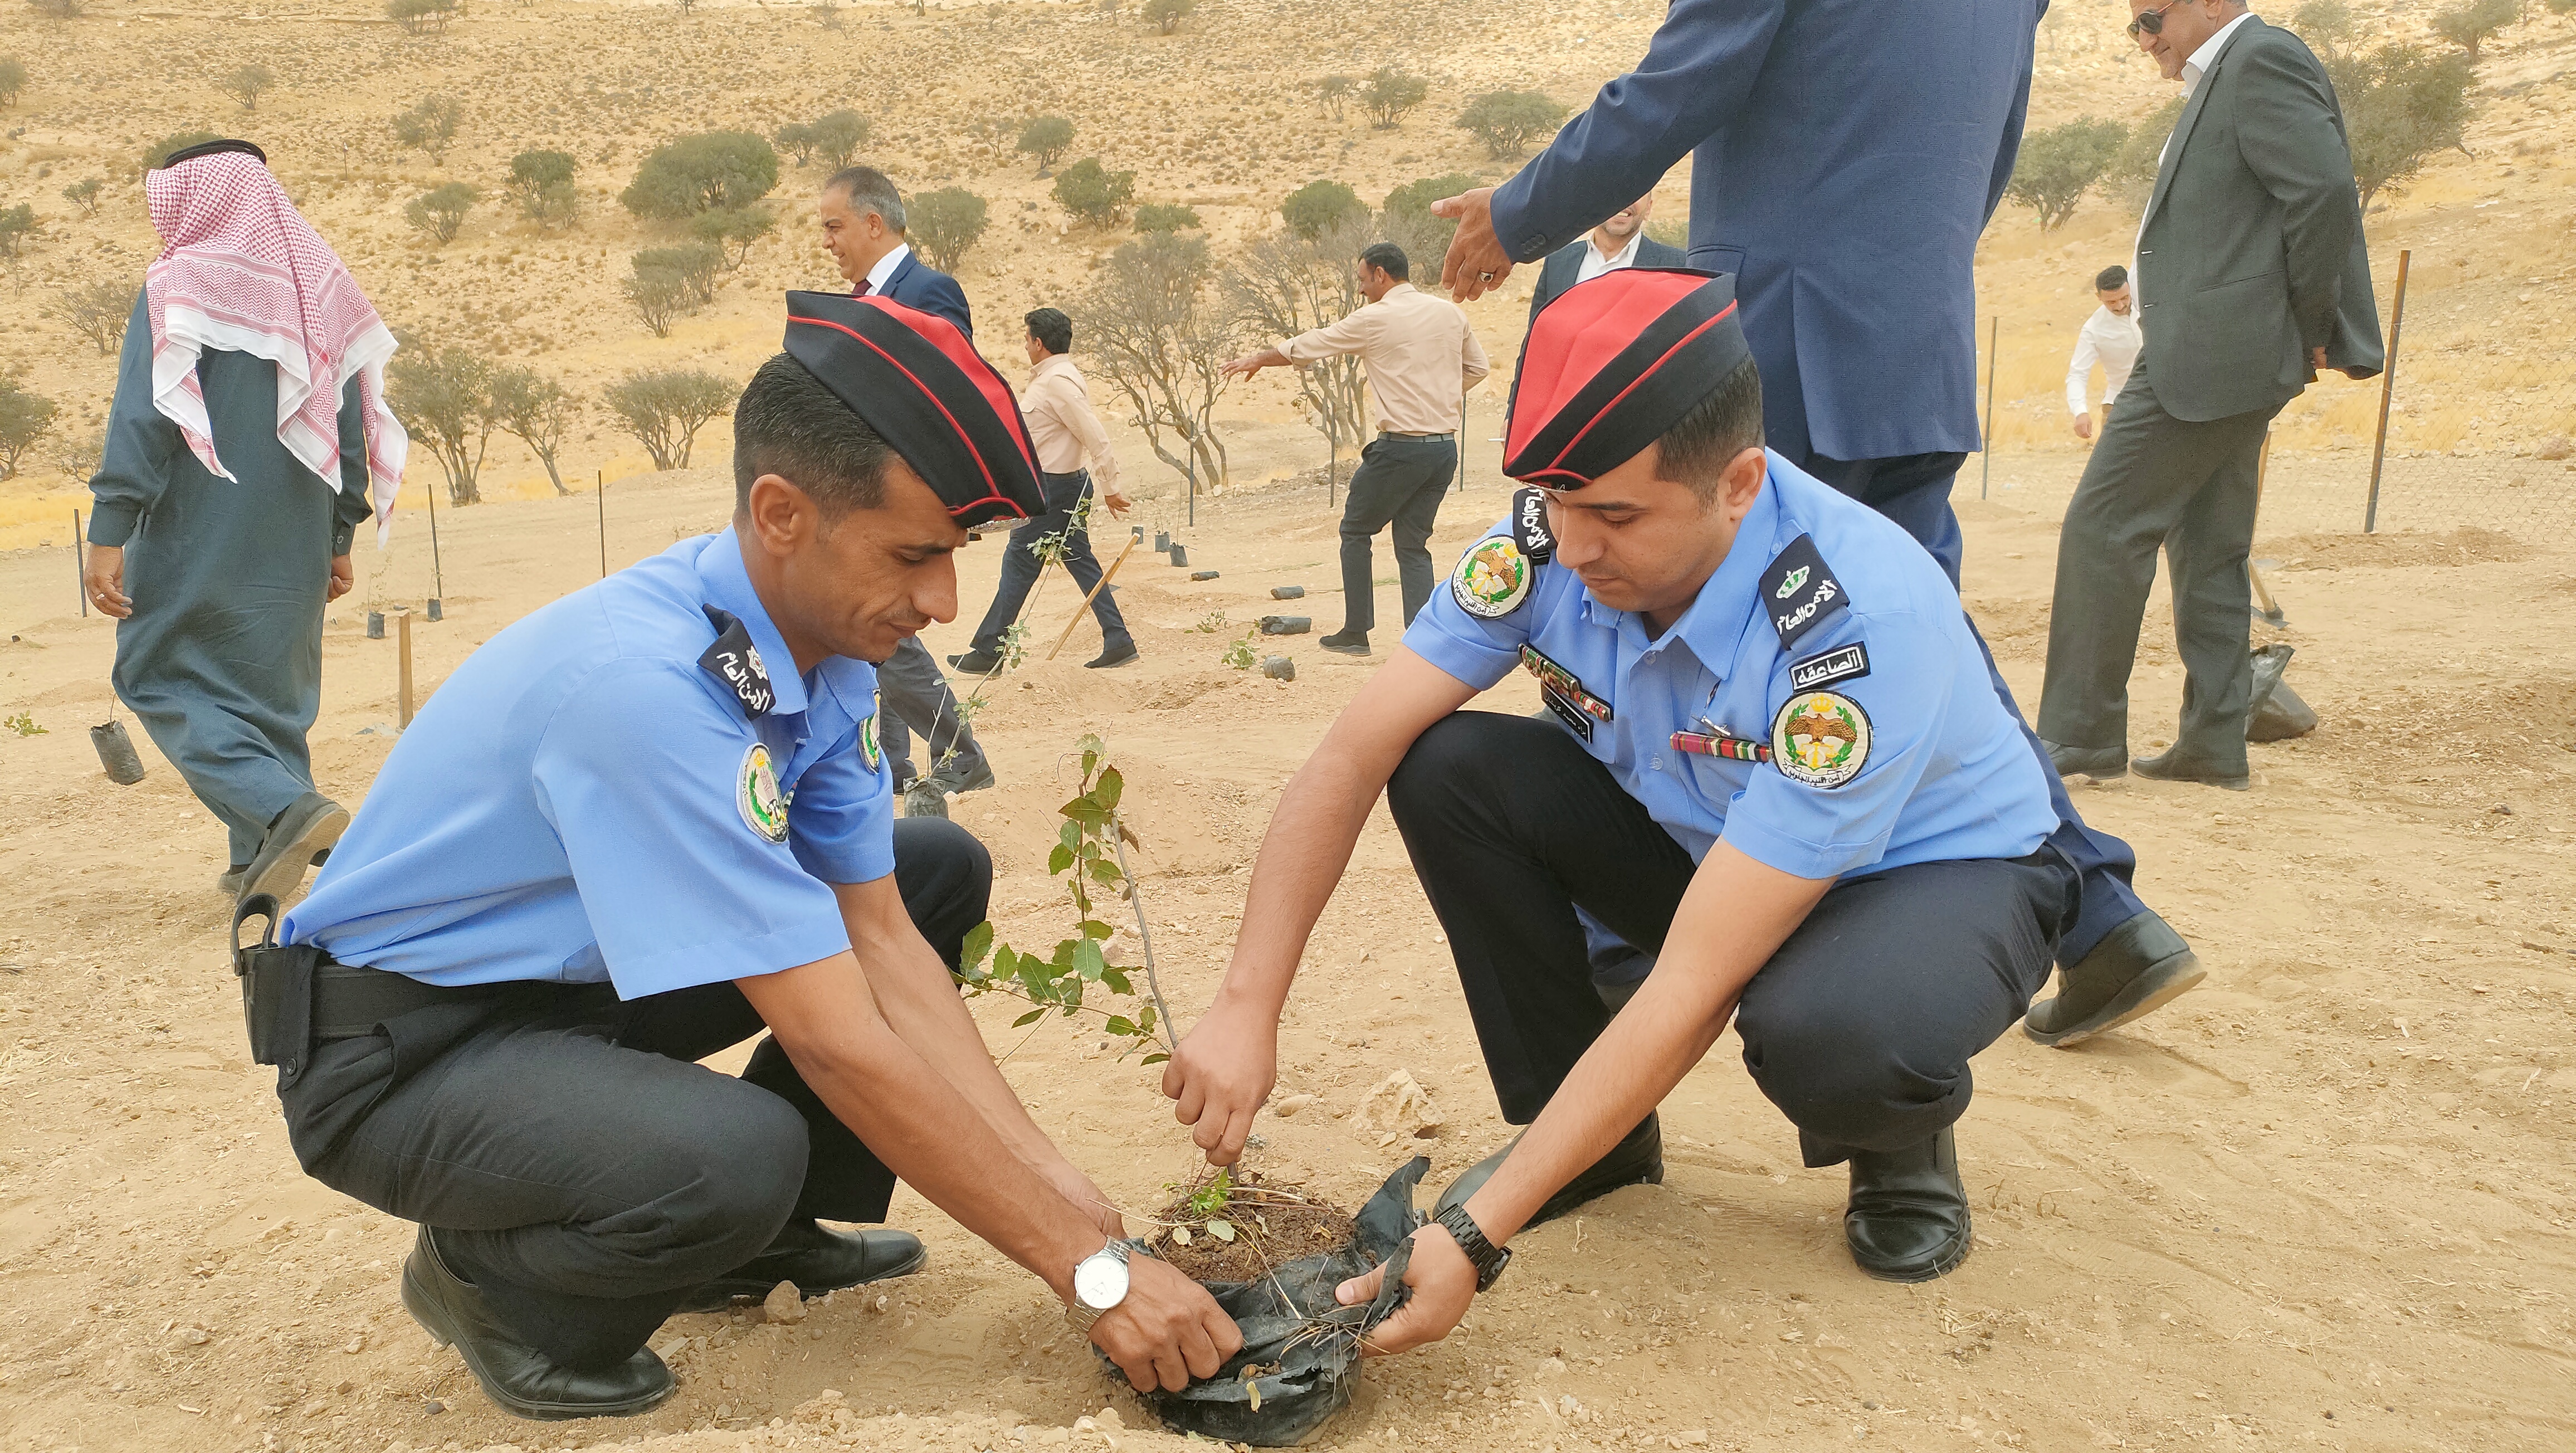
(728, 587)
(1716, 618)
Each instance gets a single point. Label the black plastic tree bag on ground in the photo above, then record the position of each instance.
(1306, 1344)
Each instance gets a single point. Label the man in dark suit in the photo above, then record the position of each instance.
(862, 217)
(1849, 153)
(1620, 241)
(2251, 278)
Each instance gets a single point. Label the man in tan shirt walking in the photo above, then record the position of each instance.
(1422, 358)
(1066, 432)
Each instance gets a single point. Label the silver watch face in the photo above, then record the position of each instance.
(1100, 1281)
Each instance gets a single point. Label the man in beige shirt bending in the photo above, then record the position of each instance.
(1066, 432)
(1422, 358)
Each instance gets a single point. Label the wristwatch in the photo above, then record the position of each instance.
(1099, 1284)
(1489, 1259)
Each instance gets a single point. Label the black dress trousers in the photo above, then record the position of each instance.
(1861, 1026)
(574, 1161)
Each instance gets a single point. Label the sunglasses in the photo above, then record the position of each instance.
(2152, 22)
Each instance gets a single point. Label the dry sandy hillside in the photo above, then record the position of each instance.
(2324, 1200)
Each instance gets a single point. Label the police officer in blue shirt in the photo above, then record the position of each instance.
(1770, 758)
(644, 823)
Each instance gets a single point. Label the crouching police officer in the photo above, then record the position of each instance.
(640, 825)
(1772, 760)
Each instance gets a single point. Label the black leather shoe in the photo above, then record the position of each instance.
(521, 1379)
(976, 663)
(2140, 967)
(1635, 1161)
(1908, 1217)
(2169, 766)
(310, 824)
(229, 882)
(2101, 763)
(1347, 643)
(1117, 655)
(818, 1260)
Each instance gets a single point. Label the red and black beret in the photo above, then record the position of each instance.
(1612, 364)
(928, 394)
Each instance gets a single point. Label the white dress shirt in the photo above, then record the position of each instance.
(1062, 427)
(885, 267)
(2110, 340)
(1594, 264)
(2192, 70)
(1420, 353)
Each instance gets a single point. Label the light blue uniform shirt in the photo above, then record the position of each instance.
(579, 803)
(1944, 773)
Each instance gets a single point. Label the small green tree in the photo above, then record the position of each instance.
(430, 125)
(13, 79)
(716, 171)
(95, 311)
(1165, 15)
(796, 138)
(2057, 165)
(1391, 93)
(1046, 137)
(246, 84)
(838, 137)
(178, 141)
(17, 224)
(422, 17)
(538, 412)
(694, 263)
(440, 211)
(24, 418)
(659, 296)
(2324, 24)
(1334, 94)
(2472, 23)
(84, 194)
(2132, 173)
(1508, 121)
(1093, 193)
(2402, 106)
(944, 224)
(1318, 207)
(543, 183)
(665, 408)
(1166, 217)
(444, 398)
(1408, 222)
(734, 233)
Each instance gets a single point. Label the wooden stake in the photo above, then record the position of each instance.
(2387, 387)
(1106, 576)
(402, 646)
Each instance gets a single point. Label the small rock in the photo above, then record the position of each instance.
(784, 1303)
(1202, 575)
(1279, 668)
(355, 1345)
(1291, 1105)
(1400, 1106)
(1567, 1406)
(433, 1407)
(1695, 1438)
(1108, 1418)
(1553, 1364)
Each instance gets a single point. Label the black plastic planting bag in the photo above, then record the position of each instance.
(1292, 1324)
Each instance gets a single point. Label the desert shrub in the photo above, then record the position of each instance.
(1284, 284)
(2323, 23)
(694, 263)
(422, 17)
(2472, 23)
(538, 412)
(246, 84)
(17, 224)
(2059, 164)
(665, 408)
(1407, 221)
(734, 233)
(13, 79)
(796, 138)
(2132, 173)
(1318, 207)
(1151, 335)
(1046, 137)
(84, 194)
(716, 171)
(659, 296)
(1093, 193)
(24, 418)
(838, 137)
(177, 141)
(944, 224)
(1508, 121)
(430, 125)
(440, 211)
(1334, 94)
(59, 9)
(444, 398)
(543, 183)
(2402, 105)
(1391, 93)
(1166, 217)
(78, 455)
(95, 311)
(1165, 15)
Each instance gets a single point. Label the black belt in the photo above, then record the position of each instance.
(295, 996)
(350, 1002)
(1401, 434)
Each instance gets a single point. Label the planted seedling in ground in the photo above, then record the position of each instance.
(1232, 1226)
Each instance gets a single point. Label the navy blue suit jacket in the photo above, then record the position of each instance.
(1563, 265)
(1848, 153)
(916, 284)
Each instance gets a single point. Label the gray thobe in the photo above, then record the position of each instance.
(222, 658)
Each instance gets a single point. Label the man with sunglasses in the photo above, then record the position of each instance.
(2251, 278)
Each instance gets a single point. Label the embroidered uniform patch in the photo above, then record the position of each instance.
(871, 750)
(756, 795)
(1529, 524)
(1842, 663)
(1799, 591)
(1492, 579)
(735, 661)
(1820, 738)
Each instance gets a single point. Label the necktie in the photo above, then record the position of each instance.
(865, 287)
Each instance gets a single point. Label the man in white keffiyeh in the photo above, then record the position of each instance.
(248, 438)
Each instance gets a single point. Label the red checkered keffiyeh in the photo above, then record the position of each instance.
(241, 270)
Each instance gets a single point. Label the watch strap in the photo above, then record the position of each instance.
(1488, 1259)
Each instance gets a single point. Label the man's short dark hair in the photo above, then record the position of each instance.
(2114, 276)
(1052, 329)
(1726, 423)
(868, 190)
(790, 425)
(1387, 258)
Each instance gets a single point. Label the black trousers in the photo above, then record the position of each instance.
(573, 1161)
(1861, 1026)
(1021, 566)
(1399, 482)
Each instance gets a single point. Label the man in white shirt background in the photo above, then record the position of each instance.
(1620, 241)
(2110, 338)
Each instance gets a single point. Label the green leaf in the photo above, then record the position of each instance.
(1106, 794)
(1094, 928)
(1105, 873)
(1090, 762)
(1221, 1230)
(1041, 984)
(1060, 859)
(1032, 1017)
(1145, 1019)
(979, 942)
(1065, 956)
(1155, 1059)
(1120, 1024)
(1117, 981)
(1088, 960)
(1071, 837)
